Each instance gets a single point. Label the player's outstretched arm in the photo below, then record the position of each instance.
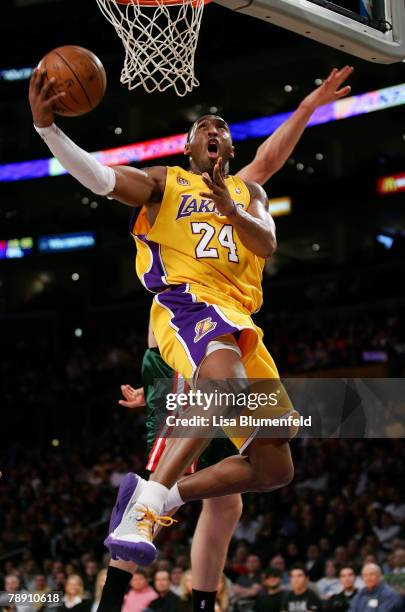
(255, 228)
(275, 151)
(128, 185)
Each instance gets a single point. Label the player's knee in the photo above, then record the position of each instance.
(230, 507)
(222, 360)
(226, 510)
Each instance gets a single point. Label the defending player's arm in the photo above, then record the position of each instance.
(134, 398)
(128, 185)
(275, 151)
(255, 228)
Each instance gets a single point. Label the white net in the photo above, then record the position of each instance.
(159, 40)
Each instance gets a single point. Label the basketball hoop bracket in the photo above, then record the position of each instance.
(314, 20)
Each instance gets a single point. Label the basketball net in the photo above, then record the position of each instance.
(160, 41)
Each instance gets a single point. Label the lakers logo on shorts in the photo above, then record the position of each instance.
(202, 328)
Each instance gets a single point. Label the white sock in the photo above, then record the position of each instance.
(153, 496)
(173, 499)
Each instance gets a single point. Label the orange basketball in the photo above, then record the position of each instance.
(80, 74)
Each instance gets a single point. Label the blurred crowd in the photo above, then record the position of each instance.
(343, 515)
(342, 342)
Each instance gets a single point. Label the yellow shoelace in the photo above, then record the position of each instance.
(149, 519)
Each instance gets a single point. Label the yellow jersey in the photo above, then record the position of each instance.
(190, 242)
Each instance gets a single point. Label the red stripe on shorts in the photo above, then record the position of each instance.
(159, 444)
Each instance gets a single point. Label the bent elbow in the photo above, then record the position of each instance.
(271, 246)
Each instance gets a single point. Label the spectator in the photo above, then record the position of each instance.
(387, 531)
(396, 507)
(300, 597)
(186, 592)
(248, 525)
(292, 554)
(74, 595)
(341, 601)
(248, 586)
(270, 599)
(315, 564)
(56, 568)
(239, 559)
(59, 581)
(376, 594)
(100, 582)
(353, 555)
(329, 585)
(163, 565)
(29, 574)
(253, 576)
(140, 595)
(175, 577)
(223, 596)
(40, 588)
(278, 562)
(12, 585)
(90, 577)
(396, 578)
(167, 601)
(341, 555)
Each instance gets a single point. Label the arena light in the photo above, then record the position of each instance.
(279, 207)
(386, 241)
(16, 74)
(370, 102)
(66, 242)
(16, 248)
(387, 185)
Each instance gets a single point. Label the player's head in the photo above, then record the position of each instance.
(209, 138)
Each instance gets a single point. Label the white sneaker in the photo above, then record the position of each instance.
(132, 538)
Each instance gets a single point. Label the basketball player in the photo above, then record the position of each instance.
(218, 254)
(218, 517)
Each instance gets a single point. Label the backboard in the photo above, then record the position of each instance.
(381, 40)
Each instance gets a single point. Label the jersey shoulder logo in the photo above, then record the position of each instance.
(202, 328)
(182, 181)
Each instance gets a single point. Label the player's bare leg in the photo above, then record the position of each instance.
(179, 453)
(266, 465)
(216, 525)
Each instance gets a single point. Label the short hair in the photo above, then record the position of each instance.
(273, 572)
(161, 572)
(140, 571)
(300, 567)
(189, 133)
(348, 566)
